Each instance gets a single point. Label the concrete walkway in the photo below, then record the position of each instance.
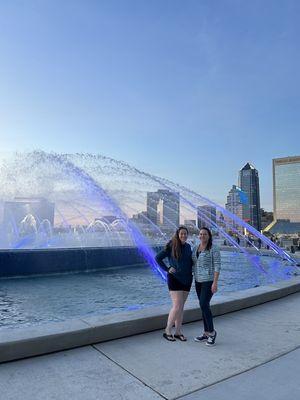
(257, 355)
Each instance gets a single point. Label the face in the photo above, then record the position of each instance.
(203, 236)
(182, 235)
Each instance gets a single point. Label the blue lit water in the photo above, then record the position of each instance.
(36, 300)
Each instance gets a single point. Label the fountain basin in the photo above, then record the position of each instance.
(25, 262)
(31, 341)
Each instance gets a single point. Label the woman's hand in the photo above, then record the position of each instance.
(214, 287)
(172, 270)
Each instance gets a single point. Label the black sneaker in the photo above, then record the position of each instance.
(202, 338)
(211, 339)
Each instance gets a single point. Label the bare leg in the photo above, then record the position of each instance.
(178, 321)
(176, 297)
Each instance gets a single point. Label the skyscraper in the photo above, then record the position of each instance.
(204, 212)
(249, 184)
(234, 204)
(163, 208)
(286, 188)
(152, 203)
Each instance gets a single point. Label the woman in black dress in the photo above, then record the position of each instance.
(179, 254)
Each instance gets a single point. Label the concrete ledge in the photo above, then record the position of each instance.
(47, 338)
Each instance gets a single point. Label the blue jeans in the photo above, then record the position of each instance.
(205, 294)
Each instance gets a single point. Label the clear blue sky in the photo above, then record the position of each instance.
(190, 90)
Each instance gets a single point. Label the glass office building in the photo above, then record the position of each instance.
(286, 188)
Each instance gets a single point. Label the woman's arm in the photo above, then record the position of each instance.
(194, 260)
(214, 286)
(216, 258)
(159, 258)
(195, 255)
(217, 268)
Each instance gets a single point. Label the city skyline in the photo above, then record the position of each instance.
(159, 205)
(162, 207)
(222, 202)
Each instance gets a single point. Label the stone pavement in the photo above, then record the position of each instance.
(274, 380)
(257, 355)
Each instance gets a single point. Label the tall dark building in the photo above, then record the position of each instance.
(249, 184)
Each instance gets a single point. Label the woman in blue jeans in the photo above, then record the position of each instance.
(206, 269)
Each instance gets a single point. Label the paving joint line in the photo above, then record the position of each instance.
(130, 373)
(239, 373)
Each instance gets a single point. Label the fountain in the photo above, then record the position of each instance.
(74, 212)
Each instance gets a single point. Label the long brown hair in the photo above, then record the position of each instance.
(175, 243)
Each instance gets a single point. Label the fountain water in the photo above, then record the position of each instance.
(94, 200)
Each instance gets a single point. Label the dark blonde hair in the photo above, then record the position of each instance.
(175, 243)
